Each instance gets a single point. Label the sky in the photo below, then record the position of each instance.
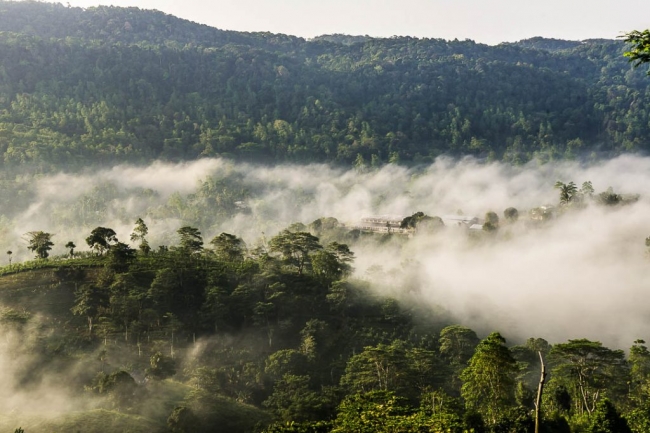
(485, 21)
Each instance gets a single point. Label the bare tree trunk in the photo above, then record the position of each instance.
(540, 389)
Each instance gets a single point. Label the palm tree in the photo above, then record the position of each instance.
(567, 191)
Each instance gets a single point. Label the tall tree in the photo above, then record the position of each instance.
(40, 243)
(139, 233)
(229, 247)
(606, 419)
(457, 345)
(639, 361)
(89, 301)
(334, 262)
(295, 248)
(587, 369)
(119, 256)
(567, 191)
(101, 239)
(587, 189)
(407, 371)
(191, 241)
(489, 379)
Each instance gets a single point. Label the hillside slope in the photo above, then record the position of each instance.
(122, 84)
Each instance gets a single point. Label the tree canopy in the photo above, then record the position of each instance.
(80, 87)
(639, 53)
(287, 339)
(40, 243)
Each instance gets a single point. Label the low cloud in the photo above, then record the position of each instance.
(584, 274)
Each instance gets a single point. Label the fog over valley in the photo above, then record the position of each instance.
(205, 230)
(583, 273)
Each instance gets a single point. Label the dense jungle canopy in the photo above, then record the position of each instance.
(113, 84)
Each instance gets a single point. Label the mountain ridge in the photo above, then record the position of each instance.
(110, 84)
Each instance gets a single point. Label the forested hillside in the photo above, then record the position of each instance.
(216, 335)
(123, 84)
(213, 312)
(173, 264)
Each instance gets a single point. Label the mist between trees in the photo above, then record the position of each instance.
(251, 287)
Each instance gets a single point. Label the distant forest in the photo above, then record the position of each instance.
(109, 84)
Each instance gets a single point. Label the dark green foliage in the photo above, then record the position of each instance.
(295, 248)
(586, 368)
(241, 342)
(514, 420)
(101, 239)
(639, 420)
(606, 419)
(457, 344)
(411, 221)
(639, 53)
(139, 233)
(191, 241)
(293, 400)
(555, 424)
(183, 420)
(229, 247)
(376, 411)
(295, 427)
(557, 398)
(489, 379)
(162, 366)
(71, 246)
(567, 191)
(119, 256)
(119, 387)
(89, 301)
(286, 361)
(381, 411)
(333, 262)
(639, 363)
(422, 223)
(40, 243)
(122, 84)
(398, 368)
